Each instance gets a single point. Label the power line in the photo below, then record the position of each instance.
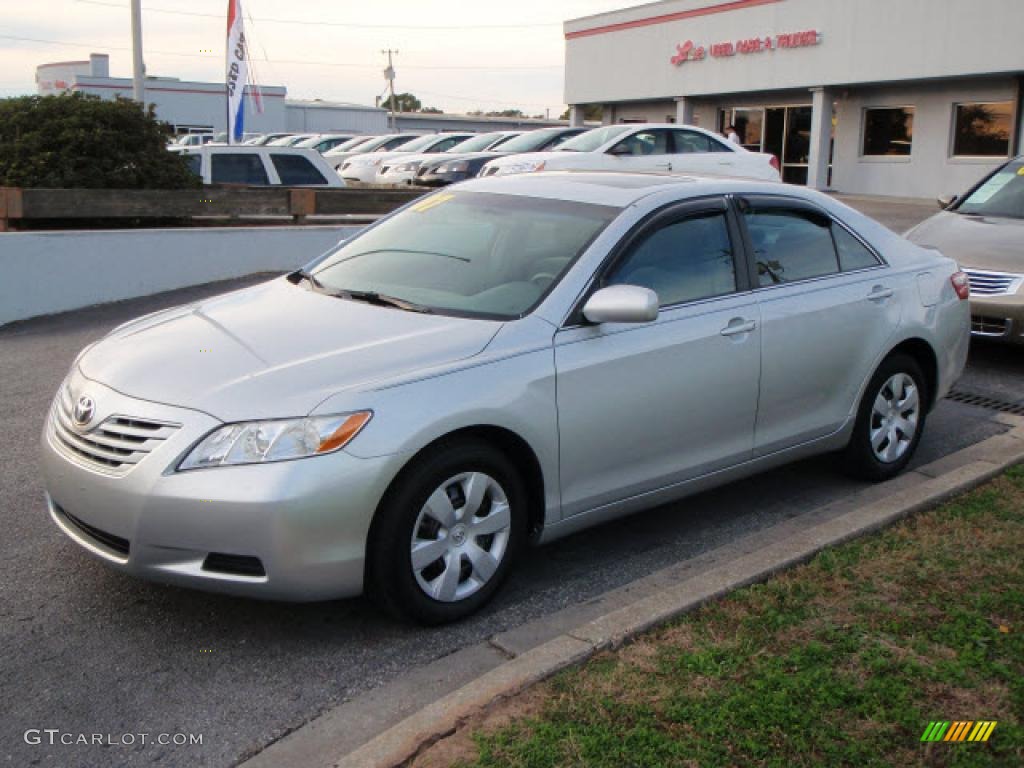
(474, 67)
(349, 25)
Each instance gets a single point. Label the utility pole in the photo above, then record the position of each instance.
(389, 75)
(138, 66)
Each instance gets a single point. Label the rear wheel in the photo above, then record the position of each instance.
(447, 533)
(890, 420)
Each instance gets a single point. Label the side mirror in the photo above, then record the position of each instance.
(947, 200)
(620, 150)
(622, 304)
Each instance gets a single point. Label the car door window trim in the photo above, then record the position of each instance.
(663, 216)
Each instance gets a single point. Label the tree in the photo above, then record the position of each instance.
(432, 111)
(404, 102)
(74, 140)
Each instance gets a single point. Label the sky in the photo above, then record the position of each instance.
(456, 55)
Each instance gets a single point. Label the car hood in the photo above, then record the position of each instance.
(975, 242)
(274, 350)
(552, 158)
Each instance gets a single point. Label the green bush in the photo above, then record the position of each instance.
(74, 140)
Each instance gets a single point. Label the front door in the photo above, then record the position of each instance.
(646, 150)
(644, 406)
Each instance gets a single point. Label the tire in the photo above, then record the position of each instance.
(884, 413)
(450, 500)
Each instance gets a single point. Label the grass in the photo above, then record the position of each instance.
(841, 662)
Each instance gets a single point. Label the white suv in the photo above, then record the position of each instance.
(261, 166)
(644, 147)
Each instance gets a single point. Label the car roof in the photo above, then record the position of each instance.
(623, 189)
(249, 148)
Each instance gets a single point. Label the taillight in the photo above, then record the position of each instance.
(961, 284)
(774, 162)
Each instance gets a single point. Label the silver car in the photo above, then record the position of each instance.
(503, 362)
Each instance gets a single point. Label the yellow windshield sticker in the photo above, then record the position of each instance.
(1020, 171)
(432, 202)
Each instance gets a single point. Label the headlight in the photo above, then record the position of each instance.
(459, 166)
(258, 442)
(407, 167)
(530, 167)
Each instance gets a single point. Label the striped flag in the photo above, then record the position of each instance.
(237, 72)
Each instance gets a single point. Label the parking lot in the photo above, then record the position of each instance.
(90, 651)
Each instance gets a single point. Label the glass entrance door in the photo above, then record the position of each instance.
(782, 131)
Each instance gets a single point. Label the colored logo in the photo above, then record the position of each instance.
(687, 51)
(959, 730)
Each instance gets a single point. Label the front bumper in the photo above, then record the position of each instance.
(442, 179)
(293, 530)
(396, 177)
(999, 318)
(366, 174)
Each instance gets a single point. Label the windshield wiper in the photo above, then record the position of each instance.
(380, 299)
(405, 250)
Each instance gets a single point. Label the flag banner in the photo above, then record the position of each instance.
(237, 72)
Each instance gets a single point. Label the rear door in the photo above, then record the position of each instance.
(696, 152)
(644, 406)
(828, 308)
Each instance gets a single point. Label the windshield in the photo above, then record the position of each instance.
(421, 143)
(591, 140)
(475, 144)
(350, 144)
(530, 141)
(1002, 194)
(467, 253)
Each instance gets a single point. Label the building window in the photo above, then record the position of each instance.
(982, 129)
(888, 131)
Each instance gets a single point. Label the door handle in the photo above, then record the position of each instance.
(878, 293)
(737, 326)
(666, 166)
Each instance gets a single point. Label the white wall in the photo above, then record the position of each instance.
(862, 41)
(46, 272)
(929, 171)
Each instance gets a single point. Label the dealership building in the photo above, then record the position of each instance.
(906, 98)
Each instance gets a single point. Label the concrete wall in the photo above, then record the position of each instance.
(46, 272)
(929, 171)
(327, 117)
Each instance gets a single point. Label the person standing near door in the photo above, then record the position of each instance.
(731, 135)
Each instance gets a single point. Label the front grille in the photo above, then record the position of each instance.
(421, 172)
(115, 445)
(993, 283)
(237, 565)
(108, 540)
(489, 171)
(989, 326)
(385, 168)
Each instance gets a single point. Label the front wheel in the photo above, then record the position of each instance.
(890, 420)
(447, 533)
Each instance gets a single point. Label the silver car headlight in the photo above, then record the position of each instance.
(528, 167)
(259, 442)
(459, 166)
(407, 167)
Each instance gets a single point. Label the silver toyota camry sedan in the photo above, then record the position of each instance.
(498, 364)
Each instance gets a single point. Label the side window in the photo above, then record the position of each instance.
(238, 169)
(853, 254)
(691, 141)
(295, 170)
(444, 146)
(686, 260)
(561, 139)
(643, 143)
(790, 245)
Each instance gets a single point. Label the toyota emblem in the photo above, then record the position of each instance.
(84, 410)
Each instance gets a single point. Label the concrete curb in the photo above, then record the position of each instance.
(399, 744)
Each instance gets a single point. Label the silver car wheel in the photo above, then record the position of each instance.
(894, 418)
(460, 536)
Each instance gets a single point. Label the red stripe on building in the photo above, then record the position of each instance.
(734, 5)
(80, 86)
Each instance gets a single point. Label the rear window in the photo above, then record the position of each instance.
(296, 170)
(238, 169)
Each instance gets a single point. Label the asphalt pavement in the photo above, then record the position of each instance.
(88, 651)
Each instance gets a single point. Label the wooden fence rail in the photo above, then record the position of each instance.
(33, 208)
